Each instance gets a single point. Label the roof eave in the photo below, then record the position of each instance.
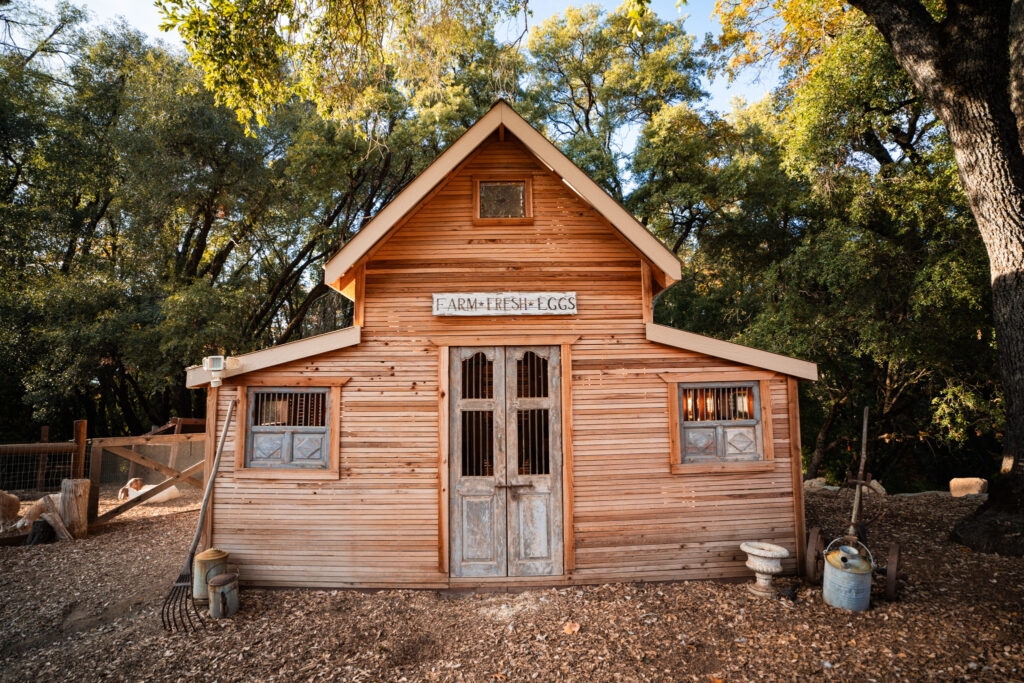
(196, 377)
(794, 367)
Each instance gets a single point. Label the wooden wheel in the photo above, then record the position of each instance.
(892, 570)
(814, 559)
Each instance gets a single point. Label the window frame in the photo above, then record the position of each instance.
(527, 181)
(760, 380)
(333, 420)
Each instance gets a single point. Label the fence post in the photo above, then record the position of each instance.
(95, 473)
(44, 436)
(78, 459)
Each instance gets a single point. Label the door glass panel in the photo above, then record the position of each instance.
(477, 377)
(477, 443)
(531, 376)
(534, 456)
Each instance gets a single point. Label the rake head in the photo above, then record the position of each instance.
(176, 614)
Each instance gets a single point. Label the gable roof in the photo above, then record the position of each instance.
(669, 336)
(501, 114)
(195, 376)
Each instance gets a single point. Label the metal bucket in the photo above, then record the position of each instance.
(207, 565)
(847, 582)
(223, 595)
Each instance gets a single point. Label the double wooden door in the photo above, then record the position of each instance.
(505, 461)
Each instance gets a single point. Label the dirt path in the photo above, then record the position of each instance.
(89, 611)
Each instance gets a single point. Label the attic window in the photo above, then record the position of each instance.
(502, 200)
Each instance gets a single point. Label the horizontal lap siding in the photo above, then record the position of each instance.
(378, 525)
(633, 518)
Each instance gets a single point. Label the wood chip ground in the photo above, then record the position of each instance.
(89, 610)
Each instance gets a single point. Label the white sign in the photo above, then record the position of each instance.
(506, 303)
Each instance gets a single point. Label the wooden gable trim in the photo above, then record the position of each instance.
(336, 270)
(346, 284)
(735, 352)
(276, 355)
(592, 193)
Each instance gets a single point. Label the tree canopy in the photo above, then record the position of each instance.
(146, 226)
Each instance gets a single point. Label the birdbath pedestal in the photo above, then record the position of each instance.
(765, 559)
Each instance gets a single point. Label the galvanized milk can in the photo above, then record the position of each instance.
(223, 595)
(207, 565)
(847, 582)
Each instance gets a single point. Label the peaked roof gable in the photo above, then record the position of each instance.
(501, 114)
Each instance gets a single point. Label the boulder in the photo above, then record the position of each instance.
(876, 486)
(815, 484)
(966, 486)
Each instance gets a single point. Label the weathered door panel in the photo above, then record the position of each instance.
(477, 463)
(505, 462)
(533, 460)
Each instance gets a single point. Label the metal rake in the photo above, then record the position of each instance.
(176, 614)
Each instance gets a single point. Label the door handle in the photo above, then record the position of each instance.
(513, 486)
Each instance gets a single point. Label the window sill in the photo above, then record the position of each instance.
(724, 467)
(288, 474)
(528, 220)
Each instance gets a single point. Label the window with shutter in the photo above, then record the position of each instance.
(720, 422)
(288, 428)
(719, 427)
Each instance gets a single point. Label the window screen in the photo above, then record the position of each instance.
(720, 423)
(502, 199)
(288, 428)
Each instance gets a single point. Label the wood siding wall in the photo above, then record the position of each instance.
(379, 524)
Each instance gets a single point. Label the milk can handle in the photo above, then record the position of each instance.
(835, 540)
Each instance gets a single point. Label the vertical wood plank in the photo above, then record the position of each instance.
(242, 415)
(335, 429)
(675, 455)
(568, 485)
(209, 451)
(767, 437)
(646, 292)
(78, 459)
(796, 465)
(359, 302)
(442, 458)
(95, 473)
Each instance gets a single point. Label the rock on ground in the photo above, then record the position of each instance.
(967, 486)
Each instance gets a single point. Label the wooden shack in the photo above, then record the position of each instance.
(503, 411)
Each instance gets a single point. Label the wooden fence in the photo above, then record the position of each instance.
(121, 446)
(36, 466)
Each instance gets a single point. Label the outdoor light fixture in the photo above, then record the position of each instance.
(216, 365)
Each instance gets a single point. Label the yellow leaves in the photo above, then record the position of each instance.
(794, 32)
(571, 627)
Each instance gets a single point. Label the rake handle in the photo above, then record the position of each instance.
(208, 492)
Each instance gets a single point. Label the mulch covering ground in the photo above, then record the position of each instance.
(89, 610)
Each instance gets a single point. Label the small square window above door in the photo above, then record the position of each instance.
(502, 200)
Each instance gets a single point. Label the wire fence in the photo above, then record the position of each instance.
(39, 467)
(23, 468)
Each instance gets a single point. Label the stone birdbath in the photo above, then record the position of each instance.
(766, 561)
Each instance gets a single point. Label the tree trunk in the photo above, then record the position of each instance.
(821, 442)
(963, 66)
(74, 506)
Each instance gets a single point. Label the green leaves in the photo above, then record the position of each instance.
(346, 56)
